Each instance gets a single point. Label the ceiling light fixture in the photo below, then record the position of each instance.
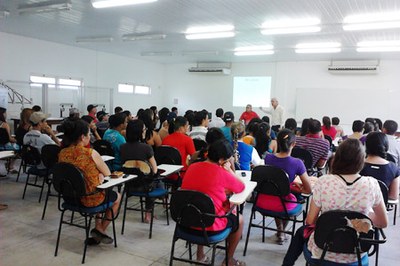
(47, 6)
(379, 46)
(290, 26)
(213, 32)
(318, 48)
(143, 37)
(93, 39)
(190, 53)
(254, 50)
(373, 21)
(156, 53)
(116, 3)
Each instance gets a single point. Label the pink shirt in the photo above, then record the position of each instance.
(213, 180)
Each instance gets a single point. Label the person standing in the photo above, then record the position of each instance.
(276, 112)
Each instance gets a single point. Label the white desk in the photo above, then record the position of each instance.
(115, 181)
(241, 197)
(169, 169)
(6, 154)
(107, 158)
(243, 175)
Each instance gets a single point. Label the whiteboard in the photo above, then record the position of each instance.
(347, 104)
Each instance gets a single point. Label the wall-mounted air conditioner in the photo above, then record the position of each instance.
(216, 70)
(211, 68)
(354, 67)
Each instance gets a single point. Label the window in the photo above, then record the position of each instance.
(69, 84)
(125, 88)
(55, 82)
(142, 90)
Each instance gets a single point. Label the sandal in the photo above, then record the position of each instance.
(234, 262)
(99, 236)
(3, 206)
(205, 259)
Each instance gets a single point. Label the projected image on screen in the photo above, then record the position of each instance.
(251, 90)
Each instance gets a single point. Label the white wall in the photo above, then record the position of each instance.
(20, 57)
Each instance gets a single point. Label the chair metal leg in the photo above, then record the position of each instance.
(87, 229)
(151, 222)
(123, 217)
(26, 184)
(59, 233)
(45, 202)
(19, 170)
(171, 257)
(248, 233)
(41, 189)
(190, 251)
(113, 226)
(263, 230)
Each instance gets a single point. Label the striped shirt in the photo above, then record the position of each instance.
(319, 148)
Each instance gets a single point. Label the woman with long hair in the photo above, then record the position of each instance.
(10, 141)
(341, 190)
(264, 142)
(89, 161)
(152, 138)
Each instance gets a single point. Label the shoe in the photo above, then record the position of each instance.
(91, 241)
(3, 206)
(99, 236)
(12, 171)
(234, 262)
(205, 259)
(281, 238)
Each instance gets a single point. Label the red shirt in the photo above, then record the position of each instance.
(247, 116)
(330, 132)
(94, 117)
(183, 143)
(212, 179)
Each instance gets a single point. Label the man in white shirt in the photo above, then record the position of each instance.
(276, 112)
(217, 121)
(390, 128)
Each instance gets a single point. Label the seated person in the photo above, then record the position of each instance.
(247, 115)
(229, 118)
(377, 166)
(315, 143)
(178, 139)
(339, 129)
(136, 149)
(114, 136)
(152, 138)
(215, 177)
(341, 190)
(293, 167)
(24, 125)
(358, 129)
(327, 128)
(199, 129)
(76, 137)
(264, 142)
(11, 142)
(94, 135)
(248, 156)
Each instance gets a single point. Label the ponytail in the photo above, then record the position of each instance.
(285, 139)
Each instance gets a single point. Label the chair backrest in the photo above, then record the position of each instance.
(192, 209)
(103, 147)
(144, 180)
(69, 182)
(329, 139)
(199, 144)
(30, 155)
(49, 155)
(303, 155)
(335, 232)
(4, 137)
(167, 155)
(390, 158)
(271, 180)
(384, 190)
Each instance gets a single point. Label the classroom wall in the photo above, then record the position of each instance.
(101, 72)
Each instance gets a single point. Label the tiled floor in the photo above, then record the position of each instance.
(27, 240)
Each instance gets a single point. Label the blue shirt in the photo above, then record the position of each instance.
(116, 140)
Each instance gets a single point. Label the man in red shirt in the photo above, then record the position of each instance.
(92, 111)
(248, 114)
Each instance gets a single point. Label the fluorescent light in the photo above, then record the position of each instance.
(42, 79)
(189, 53)
(115, 3)
(372, 21)
(210, 35)
(318, 50)
(156, 54)
(47, 6)
(244, 53)
(379, 46)
(318, 45)
(293, 30)
(216, 28)
(290, 26)
(93, 39)
(254, 50)
(143, 37)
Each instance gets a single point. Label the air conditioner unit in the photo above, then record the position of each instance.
(46, 6)
(210, 70)
(354, 67)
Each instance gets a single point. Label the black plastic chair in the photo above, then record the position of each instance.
(390, 158)
(104, 147)
(195, 209)
(49, 157)
(273, 181)
(199, 144)
(306, 157)
(32, 159)
(69, 182)
(142, 187)
(169, 155)
(334, 232)
(390, 204)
